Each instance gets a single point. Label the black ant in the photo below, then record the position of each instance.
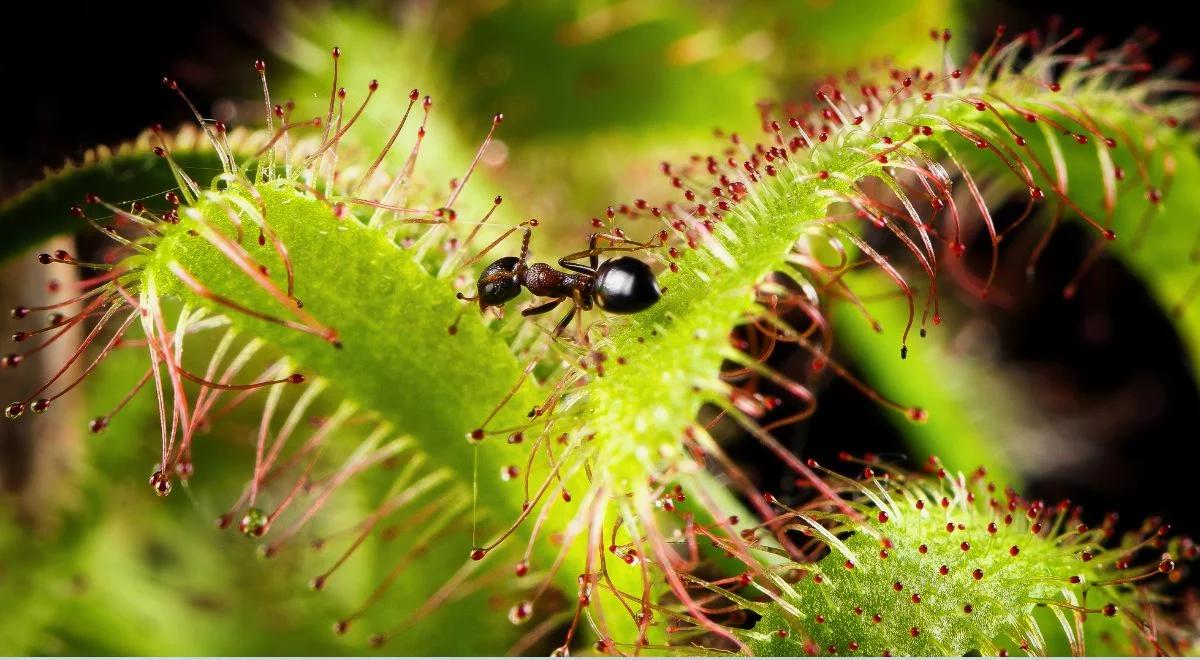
(624, 285)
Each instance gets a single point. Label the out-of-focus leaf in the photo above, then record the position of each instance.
(970, 407)
(1168, 260)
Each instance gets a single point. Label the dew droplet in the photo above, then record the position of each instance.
(520, 612)
(161, 483)
(254, 523)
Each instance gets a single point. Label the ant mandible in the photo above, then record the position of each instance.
(624, 285)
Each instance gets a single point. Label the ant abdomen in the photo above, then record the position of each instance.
(625, 285)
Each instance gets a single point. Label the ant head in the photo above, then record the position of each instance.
(499, 283)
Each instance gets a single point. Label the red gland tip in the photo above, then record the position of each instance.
(260, 66)
(478, 553)
(296, 379)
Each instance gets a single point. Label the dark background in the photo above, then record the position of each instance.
(82, 76)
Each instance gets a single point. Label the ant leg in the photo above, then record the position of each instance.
(580, 336)
(578, 268)
(562, 325)
(508, 232)
(593, 252)
(542, 309)
(593, 256)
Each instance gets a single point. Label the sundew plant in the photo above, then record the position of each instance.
(573, 458)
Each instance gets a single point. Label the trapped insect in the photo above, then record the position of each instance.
(622, 285)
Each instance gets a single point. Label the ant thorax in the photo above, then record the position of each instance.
(543, 280)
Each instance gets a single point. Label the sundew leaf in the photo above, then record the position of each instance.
(124, 568)
(130, 172)
(971, 401)
(931, 567)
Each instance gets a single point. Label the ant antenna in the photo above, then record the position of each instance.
(528, 226)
